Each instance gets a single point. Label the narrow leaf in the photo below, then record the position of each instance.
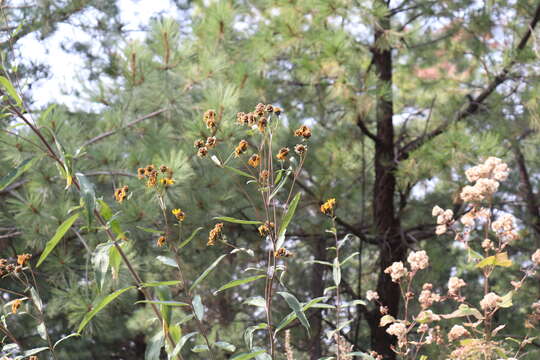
(167, 261)
(100, 306)
(248, 355)
(238, 221)
(191, 237)
(16, 172)
(6, 84)
(198, 307)
(336, 272)
(239, 282)
(163, 302)
(65, 338)
(287, 219)
(225, 346)
(294, 304)
(240, 172)
(60, 232)
(181, 344)
(206, 272)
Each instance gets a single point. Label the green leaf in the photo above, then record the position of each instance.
(60, 232)
(506, 300)
(199, 348)
(258, 301)
(100, 306)
(225, 346)
(161, 283)
(294, 304)
(106, 212)
(239, 282)
(280, 185)
(8, 86)
(65, 338)
(336, 272)
(88, 195)
(42, 331)
(238, 221)
(206, 272)
(115, 261)
(36, 299)
(191, 237)
(349, 258)
(181, 344)
(35, 351)
(248, 334)
(14, 174)
(163, 302)
(463, 310)
(247, 356)
(167, 261)
(100, 262)
(153, 349)
(240, 172)
(286, 220)
(495, 260)
(198, 307)
(148, 230)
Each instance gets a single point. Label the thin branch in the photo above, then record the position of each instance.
(474, 105)
(128, 125)
(365, 130)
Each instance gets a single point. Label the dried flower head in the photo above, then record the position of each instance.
(152, 179)
(282, 252)
(397, 329)
(328, 207)
(254, 160)
(418, 260)
(454, 284)
(199, 143)
(140, 173)
(202, 152)
(214, 234)
(211, 142)
(15, 305)
(300, 149)
(149, 169)
(266, 228)
(536, 257)
(262, 124)
(23, 259)
(456, 332)
(179, 214)
(241, 148)
(303, 131)
(505, 228)
(161, 241)
(264, 176)
(396, 271)
(372, 295)
(269, 108)
(490, 301)
(240, 118)
(163, 168)
(121, 193)
(282, 154)
(259, 109)
(277, 110)
(210, 119)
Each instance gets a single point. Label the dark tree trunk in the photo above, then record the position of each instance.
(317, 289)
(385, 221)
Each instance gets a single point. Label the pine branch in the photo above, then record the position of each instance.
(474, 104)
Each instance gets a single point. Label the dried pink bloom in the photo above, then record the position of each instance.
(440, 229)
(397, 329)
(456, 332)
(505, 228)
(454, 284)
(490, 301)
(471, 194)
(396, 271)
(437, 210)
(536, 257)
(427, 297)
(418, 260)
(372, 295)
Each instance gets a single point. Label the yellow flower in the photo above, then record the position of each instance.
(167, 181)
(15, 305)
(23, 259)
(328, 207)
(179, 214)
(121, 193)
(265, 228)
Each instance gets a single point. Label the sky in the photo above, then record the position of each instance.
(65, 68)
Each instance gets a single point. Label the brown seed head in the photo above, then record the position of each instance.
(254, 160)
(303, 131)
(241, 148)
(262, 124)
(199, 143)
(282, 154)
(161, 241)
(202, 152)
(300, 149)
(140, 173)
(211, 142)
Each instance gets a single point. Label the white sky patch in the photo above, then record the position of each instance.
(67, 71)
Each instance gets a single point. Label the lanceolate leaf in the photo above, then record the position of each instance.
(191, 237)
(286, 220)
(88, 196)
(294, 304)
(60, 232)
(248, 356)
(198, 307)
(100, 306)
(16, 172)
(238, 221)
(240, 172)
(336, 272)
(206, 272)
(240, 282)
(163, 302)
(181, 344)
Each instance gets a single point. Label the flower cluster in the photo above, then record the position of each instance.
(418, 260)
(7, 268)
(396, 271)
(490, 301)
(505, 228)
(266, 228)
(487, 177)
(163, 176)
(454, 286)
(303, 131)
(258, 117)
(456, 332)
(427, 296)
(445, 219)
(214, 234)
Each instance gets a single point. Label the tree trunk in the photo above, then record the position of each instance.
(386, 224)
